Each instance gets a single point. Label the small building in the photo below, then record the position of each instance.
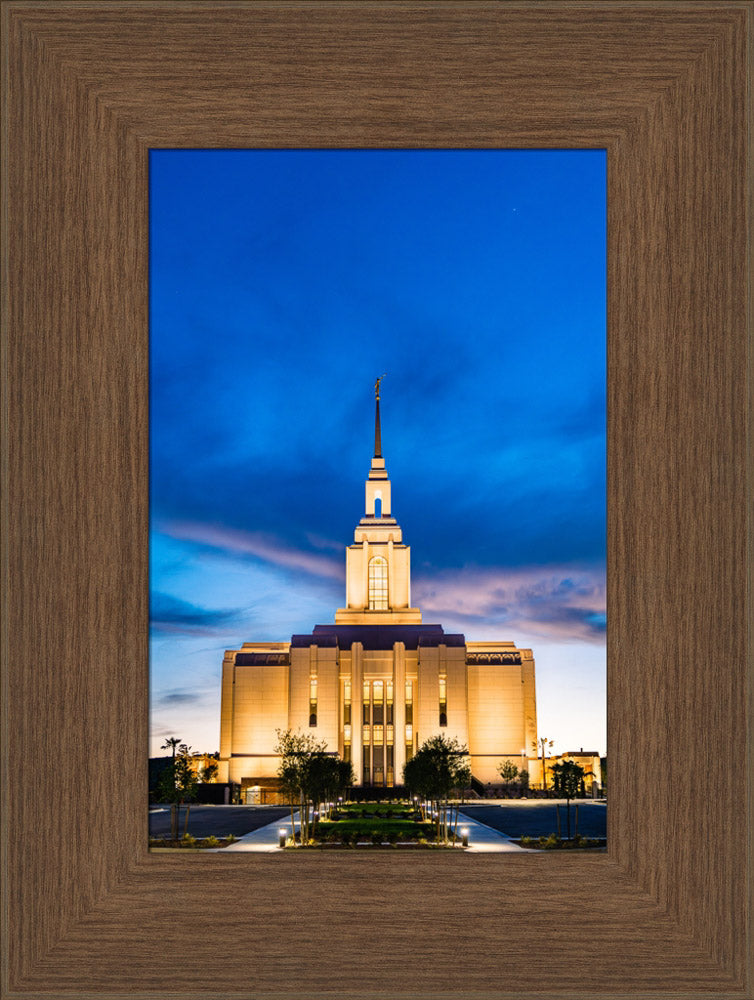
(379, 681)
(589, 761)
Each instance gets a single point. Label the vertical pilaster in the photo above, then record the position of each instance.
(391, 601)
(399, 710)
(357, 679)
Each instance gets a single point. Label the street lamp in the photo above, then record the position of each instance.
(464, 836)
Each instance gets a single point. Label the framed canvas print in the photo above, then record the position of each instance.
(91, 91)
(368, 613)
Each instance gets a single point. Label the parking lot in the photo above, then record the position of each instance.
(537, 817)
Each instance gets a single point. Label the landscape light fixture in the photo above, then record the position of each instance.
(465, 836)
(282, 833)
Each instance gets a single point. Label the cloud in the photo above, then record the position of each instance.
(250, 543)
(172, 615)
(179, 697)
(557, 603)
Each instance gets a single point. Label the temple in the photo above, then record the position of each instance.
(378, 682)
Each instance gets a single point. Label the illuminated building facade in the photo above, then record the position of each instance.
(378, 682)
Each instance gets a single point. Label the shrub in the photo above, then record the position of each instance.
(345, 838)
(392, 837)
(526, 841)
(231, 838)
(188, 841)
(389, 814)
(549, 842)
(376, 837)
(211, 842)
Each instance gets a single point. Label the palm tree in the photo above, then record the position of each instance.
(543, 742)
(170, 744)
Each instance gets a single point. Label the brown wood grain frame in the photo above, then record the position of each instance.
(90, 88)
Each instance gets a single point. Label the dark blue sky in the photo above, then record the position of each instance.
(282, 284)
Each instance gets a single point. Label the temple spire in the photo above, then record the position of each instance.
(377, 436)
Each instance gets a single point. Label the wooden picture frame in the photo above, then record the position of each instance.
(90, 87)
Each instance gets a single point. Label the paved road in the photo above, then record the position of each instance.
(536, 817)
(219, 821)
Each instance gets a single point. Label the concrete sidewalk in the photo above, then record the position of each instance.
(264, 839)
(484, 840)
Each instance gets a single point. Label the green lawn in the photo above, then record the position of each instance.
(375, 824)
(369, 820)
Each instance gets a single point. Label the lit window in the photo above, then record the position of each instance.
(409, 701)
(312, 701)
(365, 704)
(377, 703)
(443, 701)
(347, 702)
(378, 584)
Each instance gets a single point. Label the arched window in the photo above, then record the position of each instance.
(378, 506)
(378, 584)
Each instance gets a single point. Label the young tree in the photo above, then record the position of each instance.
(186, 782)
(566, 779)
(508, 771)
(310, 774)
(439, 767)
(166, 784)
(178, 785)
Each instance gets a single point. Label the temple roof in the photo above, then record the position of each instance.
(378, 636)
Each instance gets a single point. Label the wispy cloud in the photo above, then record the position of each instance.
(249, 543)
(179, 697)
(560, 603)
(170, 614)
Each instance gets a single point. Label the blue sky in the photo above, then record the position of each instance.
(282, 284)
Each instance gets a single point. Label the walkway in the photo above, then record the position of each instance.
(482, 839)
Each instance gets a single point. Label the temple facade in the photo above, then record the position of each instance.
(379, 681)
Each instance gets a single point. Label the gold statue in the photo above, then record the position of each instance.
(377, 387)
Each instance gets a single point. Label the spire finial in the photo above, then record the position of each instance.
(377, 439)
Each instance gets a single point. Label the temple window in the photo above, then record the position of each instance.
(378, 584)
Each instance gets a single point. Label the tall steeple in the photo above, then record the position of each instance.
(378, 564)
(377, 435)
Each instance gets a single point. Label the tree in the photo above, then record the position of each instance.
(171, 743)
(177, 785)
(209, 771)
(310, 774)
(508, 771)
(543, 744)
(439, 767)
(566, 779)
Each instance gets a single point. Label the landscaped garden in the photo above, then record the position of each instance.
(189, 843)
(373, 824)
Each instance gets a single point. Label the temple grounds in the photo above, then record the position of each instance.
(511, 818)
